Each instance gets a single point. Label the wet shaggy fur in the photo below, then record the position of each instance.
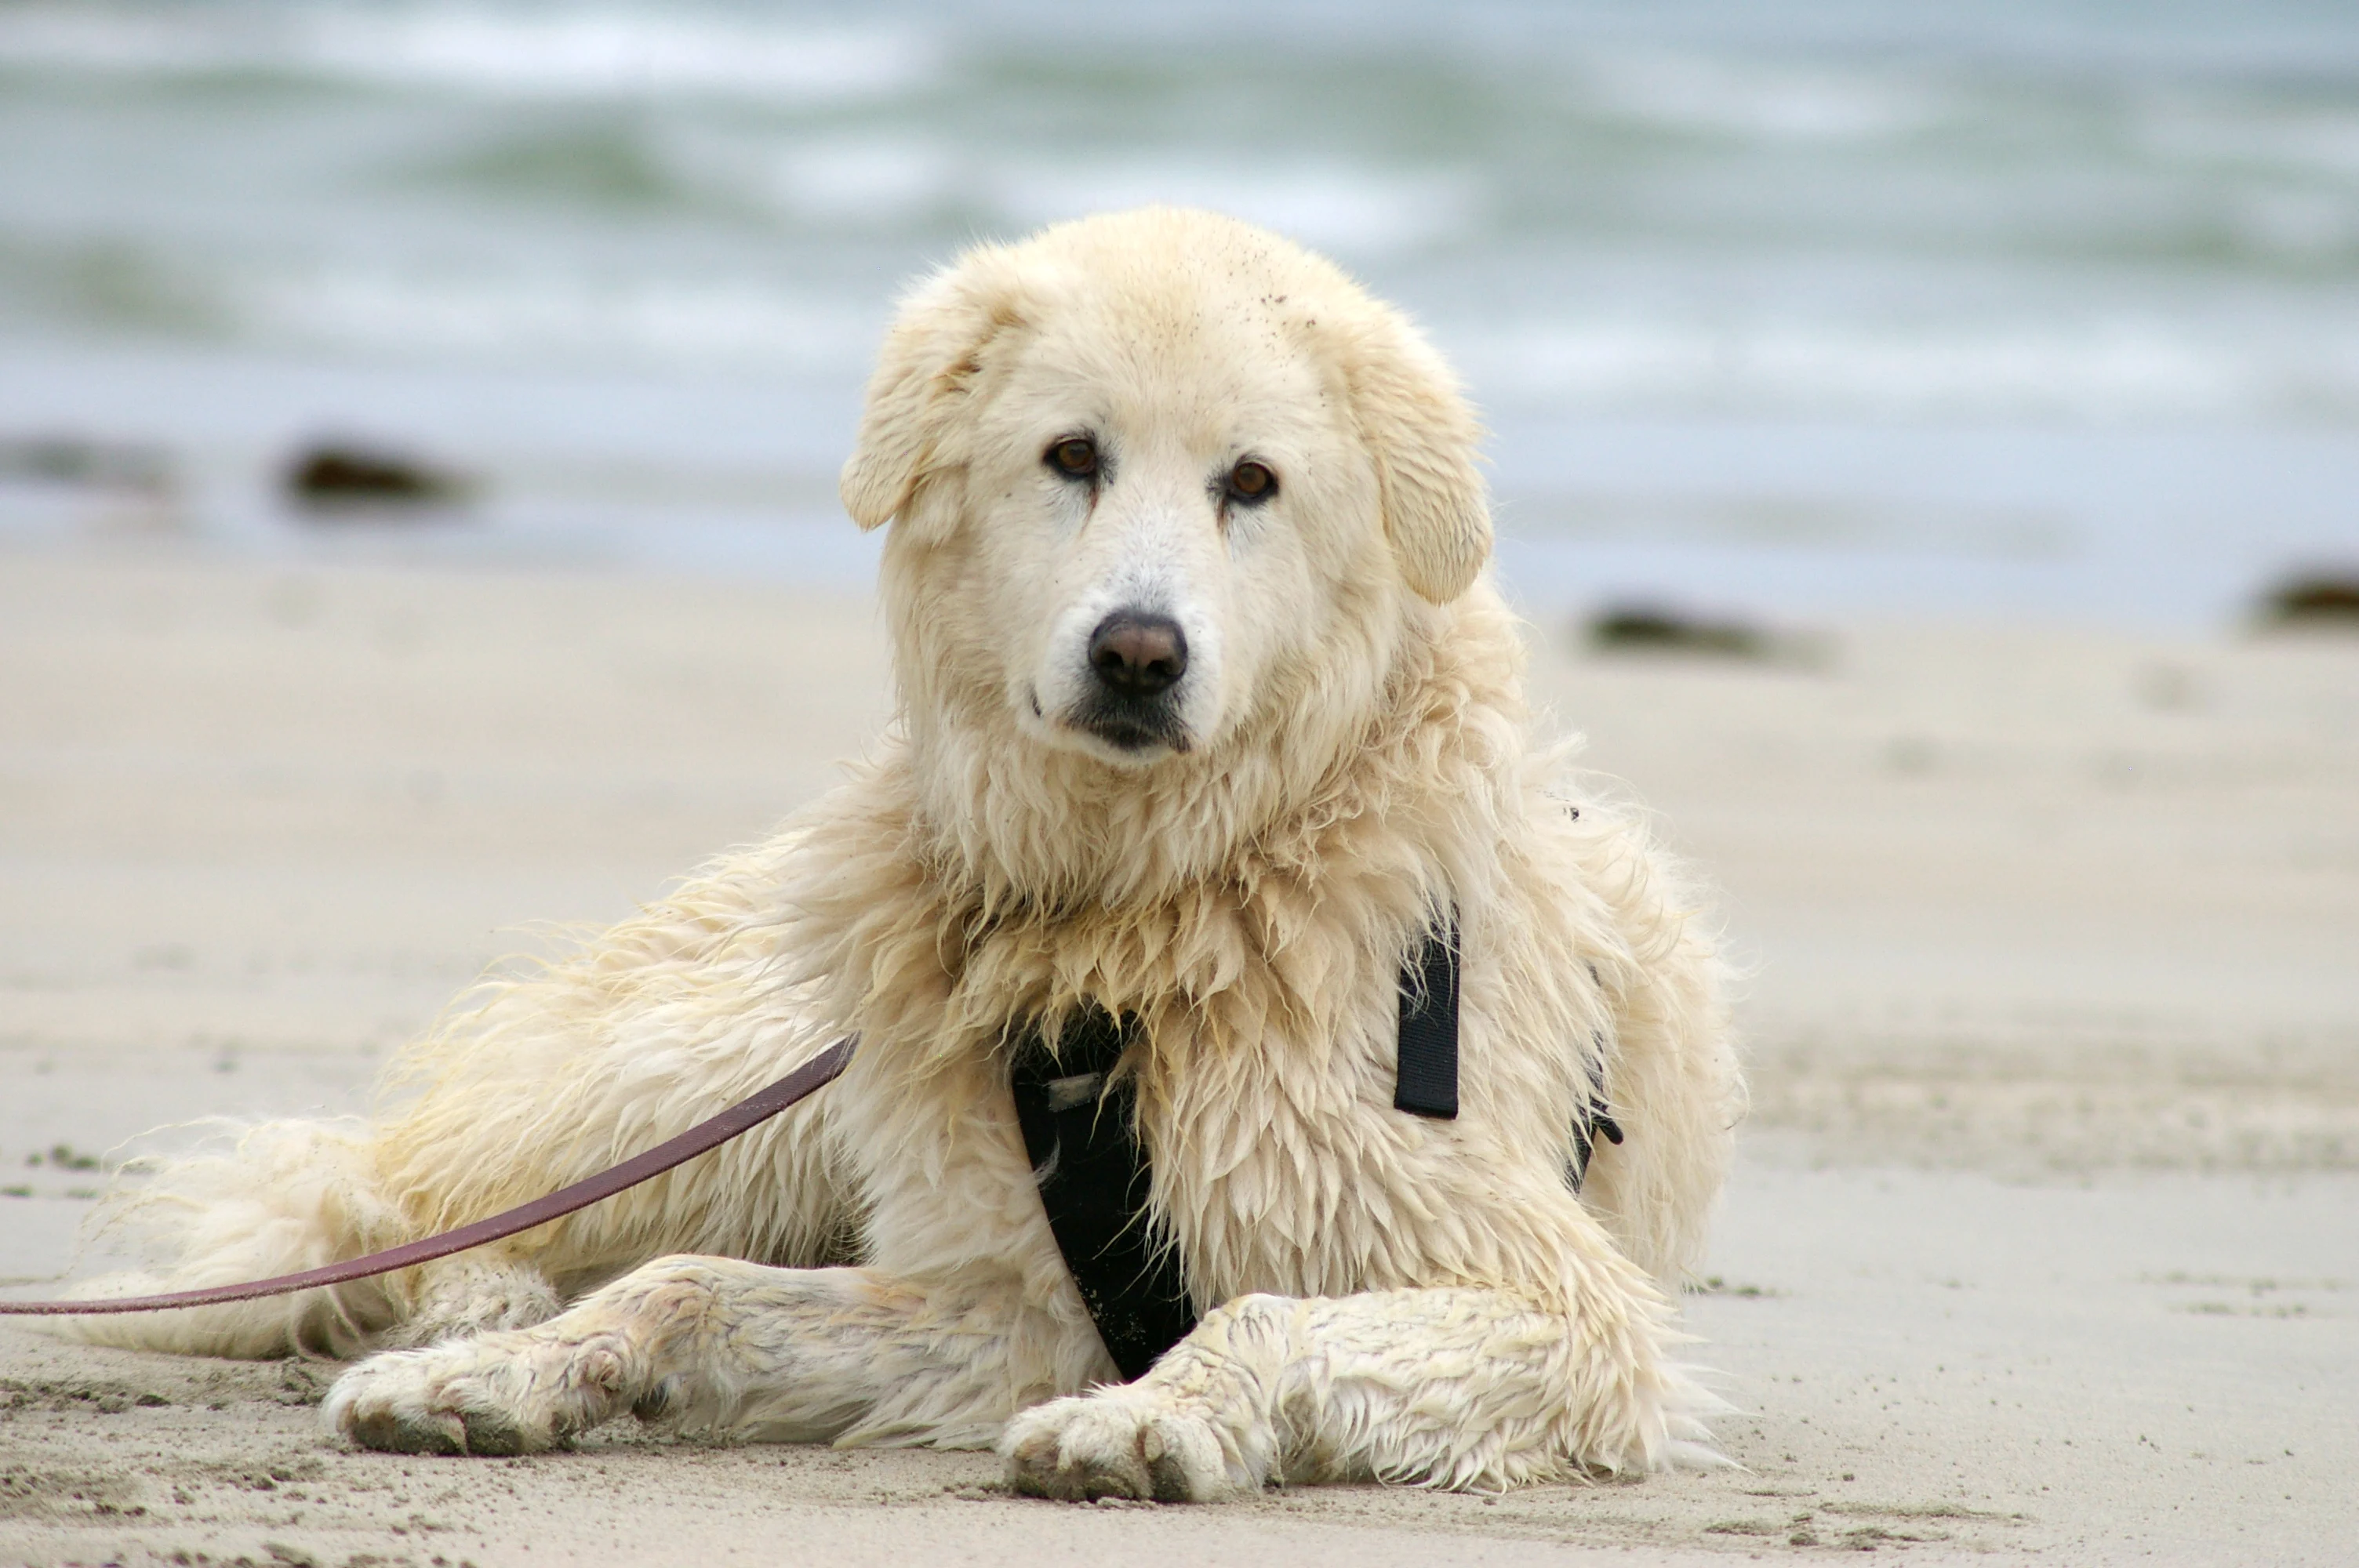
(1346, 759)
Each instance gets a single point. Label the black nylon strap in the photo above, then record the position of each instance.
(1082, 1137)
(1428, 1080)
(1427, 1083)
(1092, 1170)
(1083, 1141)
(1597, 1124)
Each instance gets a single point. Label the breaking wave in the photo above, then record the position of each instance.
(526, 52)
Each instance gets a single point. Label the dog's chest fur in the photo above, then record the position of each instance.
(1266, 994)
(1265, 1106)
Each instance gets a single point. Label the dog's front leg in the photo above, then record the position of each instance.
(472, 1292)
(731, 1348)
(1462, 1388)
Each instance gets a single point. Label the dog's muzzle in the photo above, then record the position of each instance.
(1138, 660)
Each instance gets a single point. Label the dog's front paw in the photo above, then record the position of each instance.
(1119, 1443)
(501, 1394)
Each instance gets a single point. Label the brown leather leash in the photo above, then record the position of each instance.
(742, 1116)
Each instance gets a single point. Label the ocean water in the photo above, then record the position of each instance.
(1822, 308)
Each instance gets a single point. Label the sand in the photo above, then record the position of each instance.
(2044, 1241)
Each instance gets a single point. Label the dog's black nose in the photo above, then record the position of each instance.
(1138, 655)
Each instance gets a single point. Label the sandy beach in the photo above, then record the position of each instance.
(2044, 1241)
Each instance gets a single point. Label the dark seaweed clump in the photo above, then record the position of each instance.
(2313, 598)
(339, 479)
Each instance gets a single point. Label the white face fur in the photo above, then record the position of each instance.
(1167, 493)
(1163, 513)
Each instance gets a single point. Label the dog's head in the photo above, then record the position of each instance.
(1156, 477)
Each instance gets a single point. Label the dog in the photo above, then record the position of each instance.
(1212, 749)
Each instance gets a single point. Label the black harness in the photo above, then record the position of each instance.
(1082, 1138)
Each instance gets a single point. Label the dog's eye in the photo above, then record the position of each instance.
(1075, 457)
(1250, 484)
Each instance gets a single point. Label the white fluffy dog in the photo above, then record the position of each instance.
(1211, 724)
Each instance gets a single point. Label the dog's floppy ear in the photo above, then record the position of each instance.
(1421, 437)
(931, 359)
